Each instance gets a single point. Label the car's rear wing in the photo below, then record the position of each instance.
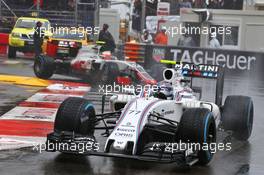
(202, 71)
(198, 71)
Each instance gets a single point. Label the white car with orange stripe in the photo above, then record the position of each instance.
(157, 127)
(93, 67)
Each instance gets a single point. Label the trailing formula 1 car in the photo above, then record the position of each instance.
(168, 125)
(93, 66)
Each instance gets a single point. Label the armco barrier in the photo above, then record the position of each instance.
(3, 43)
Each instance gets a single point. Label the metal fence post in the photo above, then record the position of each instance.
(0, 8)
(38, 7)
(76, 12)
(143, 15)
(97, 13)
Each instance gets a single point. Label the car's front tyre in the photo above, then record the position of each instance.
(75, 115)
(197, 126)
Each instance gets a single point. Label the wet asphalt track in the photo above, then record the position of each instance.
(244, 158)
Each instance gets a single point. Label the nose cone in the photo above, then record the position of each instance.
(119, 145)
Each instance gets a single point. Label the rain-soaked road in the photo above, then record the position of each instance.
(244, 158)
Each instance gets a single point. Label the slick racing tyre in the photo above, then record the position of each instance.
(11, 52)
(198, 126)
(44, 67)
(75, 115)
(238, 115)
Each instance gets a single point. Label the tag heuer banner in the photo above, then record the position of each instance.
(235, 62)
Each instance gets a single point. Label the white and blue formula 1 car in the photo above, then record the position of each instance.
(151, 127)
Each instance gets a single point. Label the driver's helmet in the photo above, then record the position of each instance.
(166, 88)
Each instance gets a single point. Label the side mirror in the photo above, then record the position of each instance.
(124, 80)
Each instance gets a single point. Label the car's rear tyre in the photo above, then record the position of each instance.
(44, 67)
(11, 52)
(238, 115)
(198, 126)
(75, 115)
